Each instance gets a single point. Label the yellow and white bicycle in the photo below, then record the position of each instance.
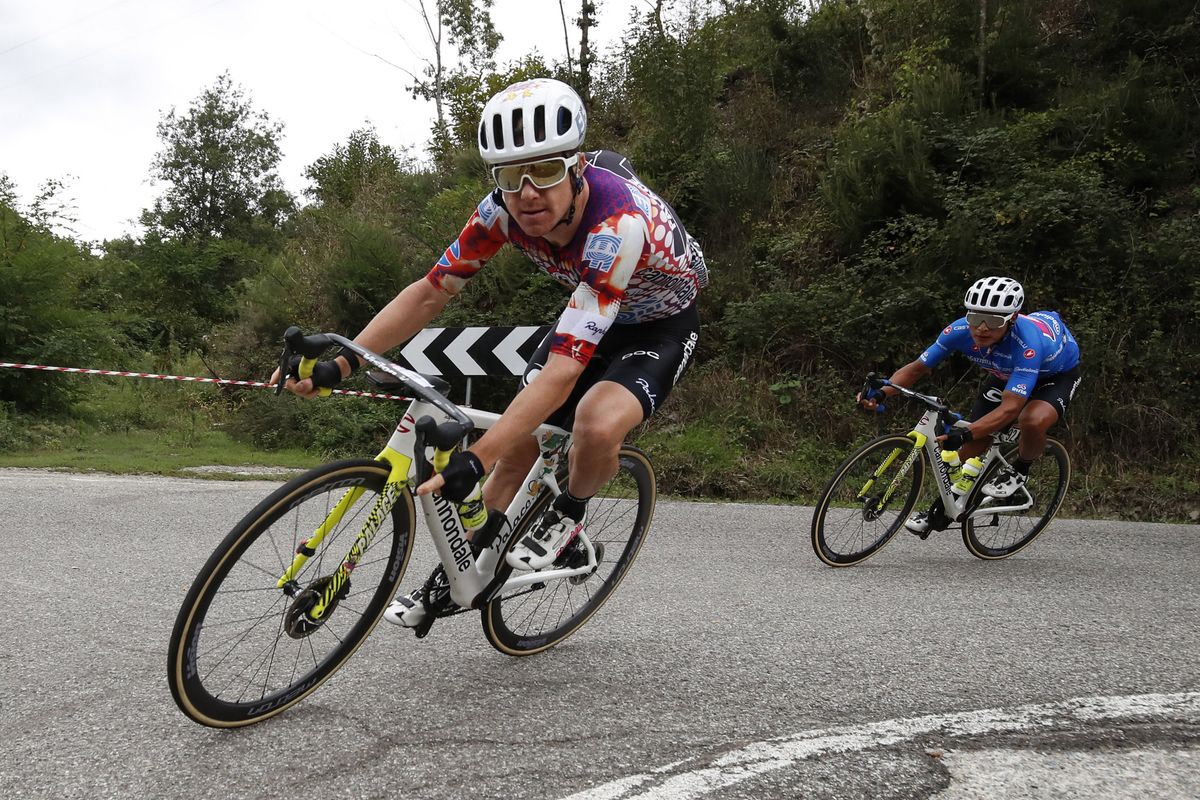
(877, 487)
(298, 584)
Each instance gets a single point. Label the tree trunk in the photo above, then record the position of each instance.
(982, 50)
(566, 36)
(587, 20)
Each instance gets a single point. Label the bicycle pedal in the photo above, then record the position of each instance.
(422, 628)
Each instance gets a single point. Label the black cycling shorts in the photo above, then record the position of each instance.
(1057, 390)
(647, 358)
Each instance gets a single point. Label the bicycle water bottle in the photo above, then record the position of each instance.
(471, 511)
(966, 479)
(953, 462)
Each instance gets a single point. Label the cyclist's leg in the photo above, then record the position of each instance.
(641, 364)
(509, 473)
(1047, 405)
(1035, 421)
(605, 416)
(645, 363)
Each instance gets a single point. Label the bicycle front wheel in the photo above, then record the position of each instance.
(530, 619)
(1000, 535)
(244, 649)
(867, 500)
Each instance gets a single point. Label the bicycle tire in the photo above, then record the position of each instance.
(848, 528)
(1007, 534)
(241, 650)
(529, 620)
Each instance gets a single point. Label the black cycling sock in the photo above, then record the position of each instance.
(1022, 466)
(571, 506)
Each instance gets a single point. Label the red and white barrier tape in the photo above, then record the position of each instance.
(185, 379)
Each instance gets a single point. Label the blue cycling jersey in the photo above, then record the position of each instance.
(1037, 344)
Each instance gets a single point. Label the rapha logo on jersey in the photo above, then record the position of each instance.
(1030, 353)
(642, 382)
(594, 329)
(488, 210)
(600, 251)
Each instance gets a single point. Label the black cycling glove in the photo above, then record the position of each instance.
(957, 438)
(461, 475)
(325, 374)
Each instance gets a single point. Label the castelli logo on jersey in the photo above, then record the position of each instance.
(948, 329)
(1030, 353)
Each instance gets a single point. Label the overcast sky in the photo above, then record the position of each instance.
(83, 83)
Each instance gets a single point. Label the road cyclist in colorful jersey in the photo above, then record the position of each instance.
(296, 587)
(1032, 361)
(627, 334)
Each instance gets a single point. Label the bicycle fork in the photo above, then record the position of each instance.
(919, 440)
(333, 585)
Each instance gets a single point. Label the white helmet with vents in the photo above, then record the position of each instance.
(531, 120)
(995, 295)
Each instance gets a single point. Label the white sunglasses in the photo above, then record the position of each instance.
(542, 174)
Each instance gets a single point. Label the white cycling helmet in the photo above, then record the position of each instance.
(995, 295)
(531, 120)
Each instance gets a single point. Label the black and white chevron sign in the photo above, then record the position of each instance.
(471, 352)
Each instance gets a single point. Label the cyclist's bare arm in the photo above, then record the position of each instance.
(907, 376)
(400, 320)
(528, 409)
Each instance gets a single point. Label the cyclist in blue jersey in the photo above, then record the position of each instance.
(1033, 365)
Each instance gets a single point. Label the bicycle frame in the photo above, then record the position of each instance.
(925, 436)
(933, 423)
(474, 580)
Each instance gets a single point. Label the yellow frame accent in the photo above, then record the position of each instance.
(396, 480)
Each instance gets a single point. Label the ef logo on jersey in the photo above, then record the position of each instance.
(600, 251)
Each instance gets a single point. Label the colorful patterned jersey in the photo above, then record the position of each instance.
(1037, 344)
(630, 261)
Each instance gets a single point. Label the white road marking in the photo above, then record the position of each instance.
(1122, 775)
(759, 758)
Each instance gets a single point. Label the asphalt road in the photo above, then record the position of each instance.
(731, 663)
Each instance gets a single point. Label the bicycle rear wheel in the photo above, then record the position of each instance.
(530, 619)
(1000, 535)
(867, 500)
(242, 649)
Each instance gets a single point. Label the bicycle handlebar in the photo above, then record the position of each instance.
(876, 382)
(310, 348)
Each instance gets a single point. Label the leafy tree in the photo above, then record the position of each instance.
(219, 162)
(341, 176)
(45, 311)
(467, 27)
